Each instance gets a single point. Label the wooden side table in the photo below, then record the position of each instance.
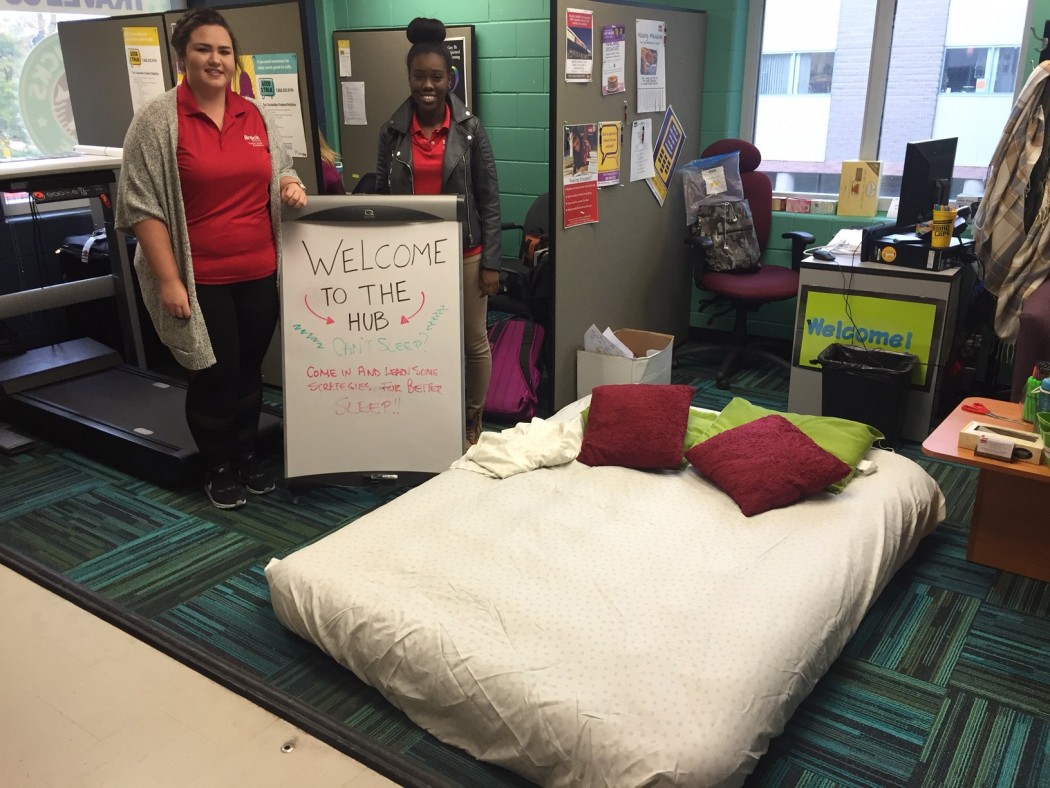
(1009, 529)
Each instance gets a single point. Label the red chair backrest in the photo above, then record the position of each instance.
(758, 190)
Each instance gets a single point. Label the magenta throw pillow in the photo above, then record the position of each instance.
(636, 425)
(765, 464)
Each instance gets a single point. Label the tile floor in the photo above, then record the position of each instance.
(84, 704)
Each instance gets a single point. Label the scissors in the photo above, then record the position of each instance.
(981, 408)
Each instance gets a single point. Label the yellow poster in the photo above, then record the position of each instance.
(142, 55)
(610, 135)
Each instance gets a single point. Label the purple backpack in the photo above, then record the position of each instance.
(514, 386)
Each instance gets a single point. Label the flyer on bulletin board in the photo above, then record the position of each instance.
(610, 139)
(580, 174)
(277, 83)
(614, 58)
(579, 54)
(652, 71)
(142, 53)
(666, 152)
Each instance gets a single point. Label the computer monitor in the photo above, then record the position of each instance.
(926, 179)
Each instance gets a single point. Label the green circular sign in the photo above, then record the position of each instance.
(43, 99)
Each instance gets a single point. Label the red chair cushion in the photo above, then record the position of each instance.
(769, 283)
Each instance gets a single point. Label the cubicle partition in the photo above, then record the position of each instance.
(93, 52)
(101, 91)
(630, 269)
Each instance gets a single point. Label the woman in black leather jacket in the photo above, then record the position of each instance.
(433, 144)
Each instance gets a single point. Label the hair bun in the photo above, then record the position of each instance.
(422, 29)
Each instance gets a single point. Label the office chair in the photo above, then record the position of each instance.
(745, 292)
(366, 184)
(526, 280)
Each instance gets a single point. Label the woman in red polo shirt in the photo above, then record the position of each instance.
(203, 176)
(433, 144)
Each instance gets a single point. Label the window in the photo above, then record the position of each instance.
(799, 72)
(966, 69)
(877, 75)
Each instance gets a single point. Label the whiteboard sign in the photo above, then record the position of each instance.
(372, 335)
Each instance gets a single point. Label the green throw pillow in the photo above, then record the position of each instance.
(847, 440)
(695, 429)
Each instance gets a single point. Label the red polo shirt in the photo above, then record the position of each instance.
(428, 156)
(225, 178)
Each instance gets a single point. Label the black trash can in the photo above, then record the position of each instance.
(867, 385)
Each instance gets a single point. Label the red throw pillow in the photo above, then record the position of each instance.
(765, 464)
(636, 425)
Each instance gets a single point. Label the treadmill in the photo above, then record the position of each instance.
(81, 393)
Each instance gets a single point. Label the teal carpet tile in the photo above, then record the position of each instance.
(981, 742)
(861, 726)
(1006, 658)
(84, 524)
(1021, 595)
(235, 620)
(917, 632)
(157, 571)
(940, 560)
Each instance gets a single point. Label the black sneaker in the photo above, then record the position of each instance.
(254, 476)
(223, 488)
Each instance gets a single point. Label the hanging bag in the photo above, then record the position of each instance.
(731, 230)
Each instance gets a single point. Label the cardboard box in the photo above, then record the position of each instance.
(798, 204)
(859, 188)
(598, 369)
(823, 206)
(779, 203)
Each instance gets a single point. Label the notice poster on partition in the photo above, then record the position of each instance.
(666, 152)
(580, 174)
(372, 339)
(277, 86)
(145, 73)
(651, 69)
(579, 49)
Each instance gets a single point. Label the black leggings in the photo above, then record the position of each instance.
(224, 401)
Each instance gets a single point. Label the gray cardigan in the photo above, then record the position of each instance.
(149, 187)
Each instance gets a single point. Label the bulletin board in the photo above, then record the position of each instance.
(376, 60)
(371, 322)
(630, 269)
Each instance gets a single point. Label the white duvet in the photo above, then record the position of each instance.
(603, 626)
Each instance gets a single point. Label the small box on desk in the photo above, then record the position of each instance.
(599, 369)
(914, 251)
(859, 188)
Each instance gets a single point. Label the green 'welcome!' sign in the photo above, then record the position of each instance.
(894, 323)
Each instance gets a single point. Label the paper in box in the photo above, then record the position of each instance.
(859, 188)
(599, 369)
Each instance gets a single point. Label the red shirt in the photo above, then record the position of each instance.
(225, 177)
(428, 157)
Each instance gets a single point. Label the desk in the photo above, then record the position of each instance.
(1008, 529)
(852, 281)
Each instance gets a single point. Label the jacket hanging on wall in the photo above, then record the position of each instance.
(1016, 258)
